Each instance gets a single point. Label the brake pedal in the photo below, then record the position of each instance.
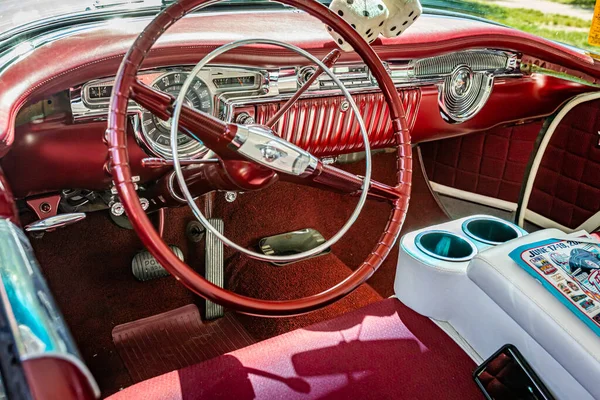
(145, 267)
(214, 266)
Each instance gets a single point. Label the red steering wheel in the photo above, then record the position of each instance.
(220, 137)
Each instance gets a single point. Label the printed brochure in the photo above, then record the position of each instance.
(570, 269)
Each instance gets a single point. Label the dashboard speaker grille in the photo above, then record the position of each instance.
(322, 127)
(445, 64)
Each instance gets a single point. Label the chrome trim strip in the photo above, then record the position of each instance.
(83, 108)
(281, 83)
(36, 323)
(536, 69)
(477, 60)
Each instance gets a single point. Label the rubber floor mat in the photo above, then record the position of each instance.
(176, 339)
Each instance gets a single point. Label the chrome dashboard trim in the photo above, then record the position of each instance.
(405, 74)
(477, 60)
(459, 108)
(281, 83)
(84, 109)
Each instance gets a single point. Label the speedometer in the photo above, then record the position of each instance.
(157, 132)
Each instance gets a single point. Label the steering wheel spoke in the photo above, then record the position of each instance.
(214, 133)
(328, 177)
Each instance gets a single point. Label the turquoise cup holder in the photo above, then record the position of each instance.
(445, 246)
(491, 231)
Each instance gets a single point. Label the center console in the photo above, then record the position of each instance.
(432, 267)
(459, 274)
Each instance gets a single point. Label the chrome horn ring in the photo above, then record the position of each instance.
(188, 196)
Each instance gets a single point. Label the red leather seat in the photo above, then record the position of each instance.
(381, 351)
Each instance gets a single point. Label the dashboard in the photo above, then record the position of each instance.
(454, 76)
(464, 82)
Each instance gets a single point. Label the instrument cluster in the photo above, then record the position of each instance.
(157, 132)
(91, 100)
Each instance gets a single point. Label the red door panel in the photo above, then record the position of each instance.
(490, 163)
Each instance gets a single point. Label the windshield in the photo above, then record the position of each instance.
(566, 21)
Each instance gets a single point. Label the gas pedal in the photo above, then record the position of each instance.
(214, 266)
(145, 267)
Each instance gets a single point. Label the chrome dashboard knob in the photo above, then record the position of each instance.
(305, 73)
(244, 118)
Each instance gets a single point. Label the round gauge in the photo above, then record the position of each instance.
(157, 132)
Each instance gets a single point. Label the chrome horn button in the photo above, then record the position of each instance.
(259, 144)
(270, 152)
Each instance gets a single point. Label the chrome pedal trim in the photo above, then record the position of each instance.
(214, 266)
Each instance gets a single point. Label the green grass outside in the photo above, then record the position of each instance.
(580, 3)
(566, 29)
(562, 28)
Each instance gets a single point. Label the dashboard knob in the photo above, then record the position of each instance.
(144, 203)
(244, 118)
(305, 73)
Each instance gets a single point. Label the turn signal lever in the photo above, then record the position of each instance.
(51, 223)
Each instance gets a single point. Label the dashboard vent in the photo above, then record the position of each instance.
(446, 64)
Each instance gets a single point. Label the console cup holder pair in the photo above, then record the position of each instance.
(448, 246)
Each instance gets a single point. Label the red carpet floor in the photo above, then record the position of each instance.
(286, 207)
(258, 279)
(176, 339)
(87, 265)
(376, 352)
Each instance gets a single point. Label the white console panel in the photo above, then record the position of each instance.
(440, 289)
